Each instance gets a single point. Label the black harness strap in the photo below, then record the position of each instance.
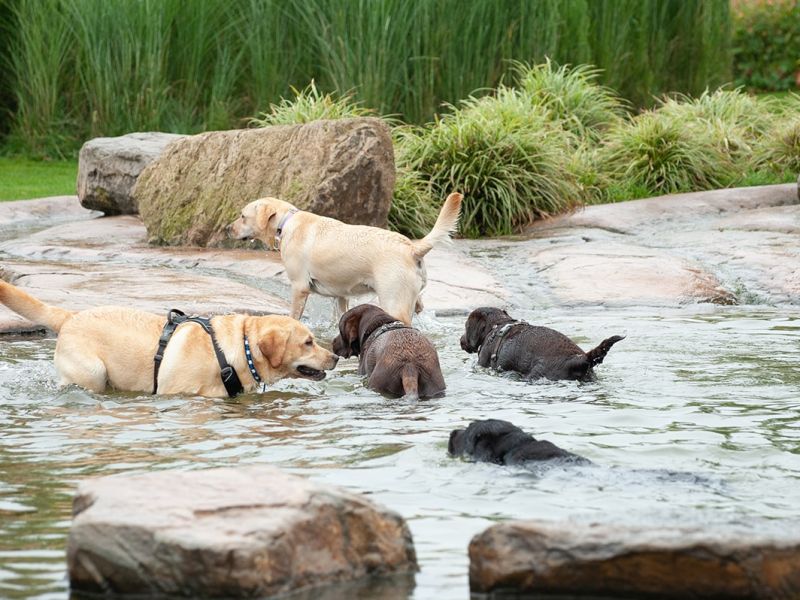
(384, 328)
(174, 318)
(499, 333)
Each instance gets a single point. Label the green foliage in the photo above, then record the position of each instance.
(413, 211)
(734, 120)
(506, 157)
(779, 150)
(766, 44)
(661, 154)
(309, 104)
(82, 68)
(572, 96)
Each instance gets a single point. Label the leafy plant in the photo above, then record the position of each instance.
(766, 44)
(504, 155)
(309, 104)
(661, 154)
(572, 96)
(779, 151)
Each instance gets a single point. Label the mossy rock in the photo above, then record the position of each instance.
(342, 169)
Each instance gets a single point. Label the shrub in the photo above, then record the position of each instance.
(662, 154)
(414, 210)
(733, 120)
(504, 155)
(571, 96)
(309, 104)
(779, 150)
(766, 44)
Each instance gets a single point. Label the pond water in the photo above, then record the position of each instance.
(694, 418)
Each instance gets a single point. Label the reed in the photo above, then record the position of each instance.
(81, 68)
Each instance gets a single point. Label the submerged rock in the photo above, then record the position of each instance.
(342, 169)
(108, 169)
(231, 532)
(591, 560)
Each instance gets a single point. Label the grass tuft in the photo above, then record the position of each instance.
(657, 154)
(310, 104)
(572, 96)
(504, 155)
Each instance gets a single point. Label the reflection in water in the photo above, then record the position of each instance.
(693, 419)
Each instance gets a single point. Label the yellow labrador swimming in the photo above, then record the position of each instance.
(335, 259)
(114, 346)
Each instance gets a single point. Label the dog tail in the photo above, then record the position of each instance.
(446, 224)
(410, 377)
(31, 308)
(597, 355)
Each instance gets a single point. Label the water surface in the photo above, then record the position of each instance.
(694, 419)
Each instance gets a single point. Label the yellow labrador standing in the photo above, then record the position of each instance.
(335, 259)
(114, 346)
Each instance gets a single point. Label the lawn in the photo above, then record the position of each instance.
(22, 178)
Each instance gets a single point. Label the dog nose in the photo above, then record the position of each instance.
(463, 342)
(335, 359)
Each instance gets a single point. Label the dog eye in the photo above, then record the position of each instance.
(309, 342)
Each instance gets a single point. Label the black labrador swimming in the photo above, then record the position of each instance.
(398, 359)
(504, 443)
(505, 344)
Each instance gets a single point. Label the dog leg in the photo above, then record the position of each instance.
(299, 298)
(86, 371)
(341, 307)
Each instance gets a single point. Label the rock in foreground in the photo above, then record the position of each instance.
(231, 532)
(109, 167)
(342, 169)
(584, 560)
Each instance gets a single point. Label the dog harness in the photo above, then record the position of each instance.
(229, 377)
(276, 245)
(383, 329)
(499, 334)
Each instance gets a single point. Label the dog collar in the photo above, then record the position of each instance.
(279, 232)
(383, 329)
(250, 364)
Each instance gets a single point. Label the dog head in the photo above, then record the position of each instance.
(286, 348)
(355, 325)
(259, 220)
(480, 322)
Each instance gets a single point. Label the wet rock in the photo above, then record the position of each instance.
(590, 560)
(638, 216)
(232, 532)
(614, 273)
(342, 169)
(108, 169)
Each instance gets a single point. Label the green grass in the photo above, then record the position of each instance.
(22, 179)
(87, 68)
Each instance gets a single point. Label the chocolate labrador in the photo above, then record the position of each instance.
(505, 344)
(397, 359)
(504, 443)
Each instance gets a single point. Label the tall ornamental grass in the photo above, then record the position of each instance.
(81, 68)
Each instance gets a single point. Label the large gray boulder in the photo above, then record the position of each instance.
(231, 532)
(342, 169)
(108, 169)
(591, 560)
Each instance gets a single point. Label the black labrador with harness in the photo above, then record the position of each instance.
(505, 344)
(397, 359)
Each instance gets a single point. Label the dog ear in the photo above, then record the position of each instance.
(348, 330)
(273, 346)
(264, 214)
